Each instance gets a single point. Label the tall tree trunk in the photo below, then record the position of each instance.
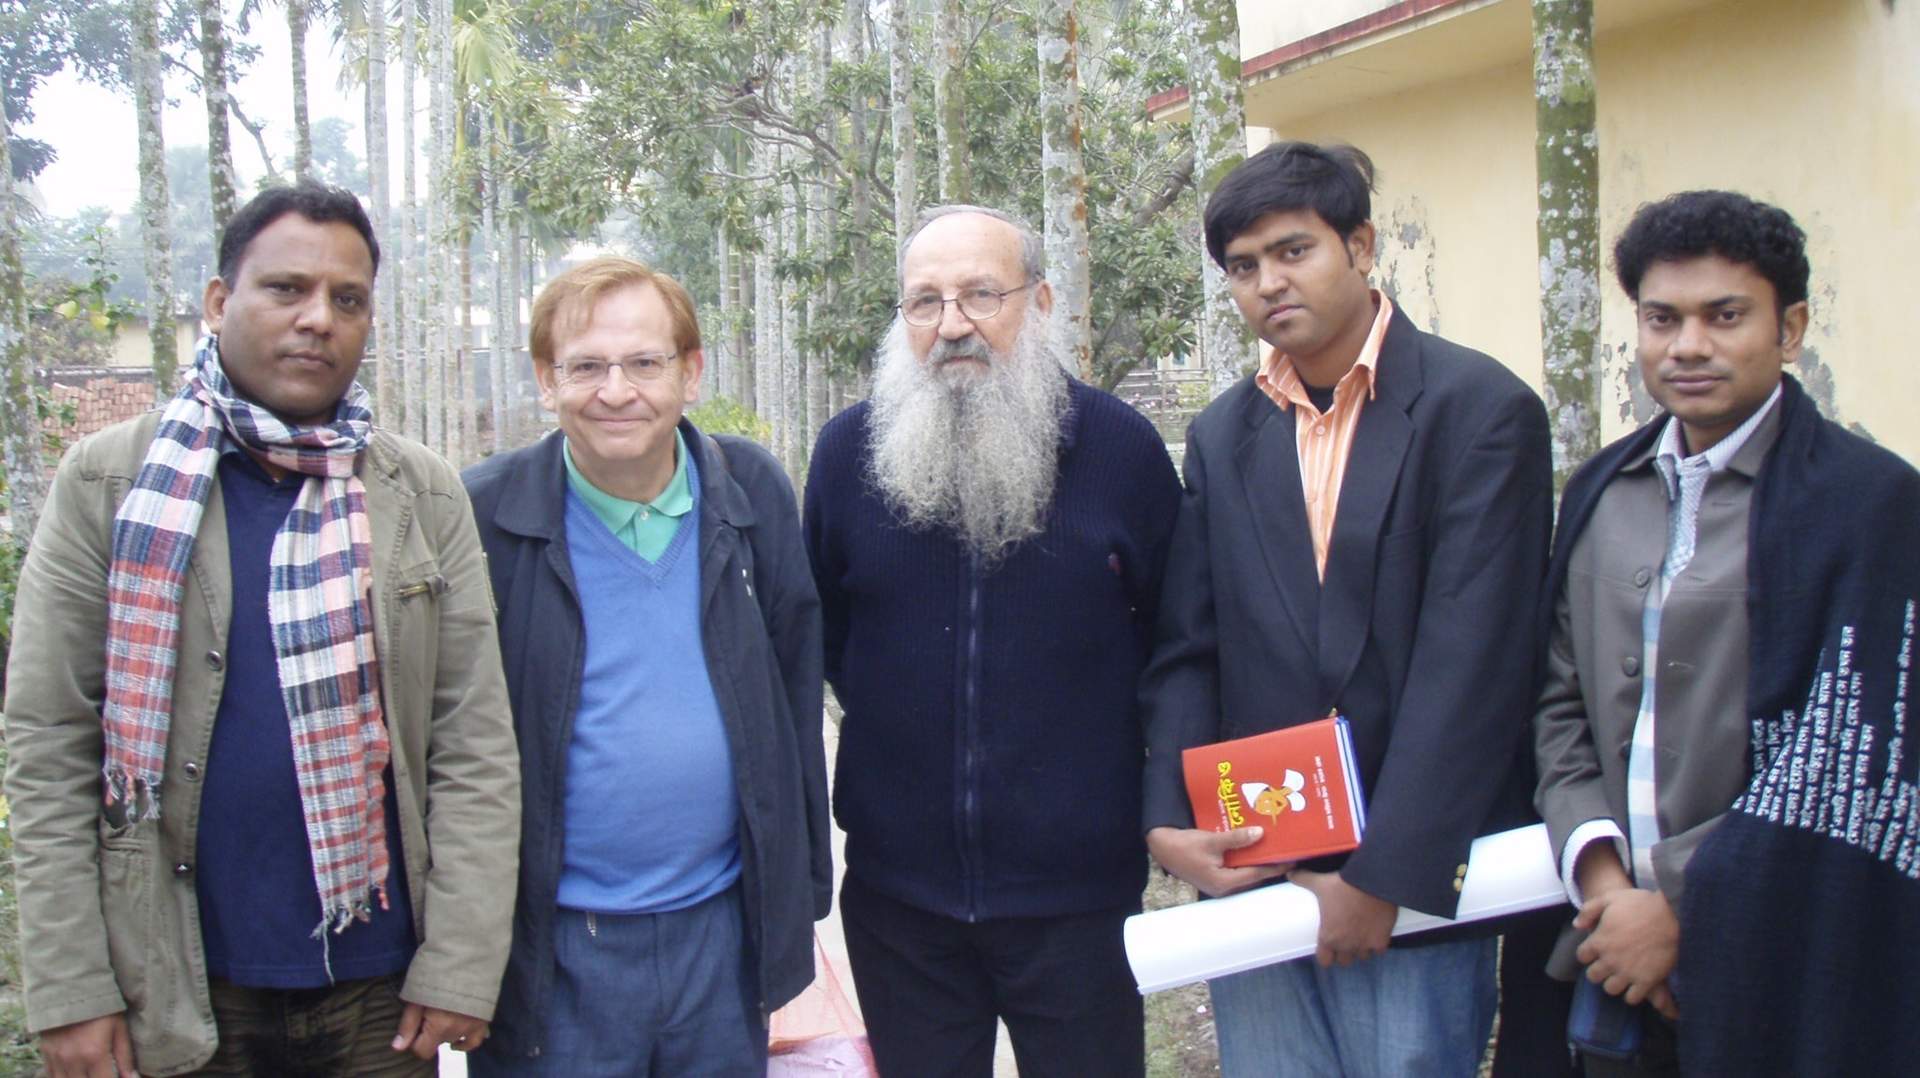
(440, 230)
(1566, 162)
(1069, 263)
(302, 134)
(460, 426)
(721, 364)
(149, 94)
(741, 284)
(950, 104)
(1219, 145)
(19, 411)
(529, 285)
(385, 319)
(860, 198)
(433, 289)
(518, 423)
(766, 306)
(792, 388)
(465, 390)
(213, 82)
(900, 76)
(824, 291)
(410, 278)
(499, 333)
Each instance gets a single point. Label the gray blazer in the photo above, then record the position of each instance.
(1584, 724)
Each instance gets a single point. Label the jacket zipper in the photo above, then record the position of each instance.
(969, 804)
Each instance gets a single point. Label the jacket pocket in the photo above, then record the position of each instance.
(152, 943)
(126, 901)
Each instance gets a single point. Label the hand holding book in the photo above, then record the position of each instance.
(1199, 857)
(1298, 786)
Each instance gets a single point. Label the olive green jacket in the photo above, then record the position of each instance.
(108, 915)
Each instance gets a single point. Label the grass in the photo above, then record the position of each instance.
(1180, 1039)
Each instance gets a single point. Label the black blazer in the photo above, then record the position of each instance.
(1422, 632)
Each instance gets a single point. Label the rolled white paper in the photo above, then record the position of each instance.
(1510, 872)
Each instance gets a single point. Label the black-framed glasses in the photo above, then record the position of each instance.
(978, 304)
(590, 373)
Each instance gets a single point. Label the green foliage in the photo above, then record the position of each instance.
(654, 111)
(72, 323)
(12, 553)
(719, 415)
(96, 245)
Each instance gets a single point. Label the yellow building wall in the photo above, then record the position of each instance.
(1813, 105)
(1453, 207)
(131, 348)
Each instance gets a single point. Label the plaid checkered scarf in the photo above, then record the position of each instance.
(319, 606)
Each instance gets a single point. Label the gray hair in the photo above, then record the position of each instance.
(1033, 249)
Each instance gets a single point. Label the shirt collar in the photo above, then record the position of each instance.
(1278, 376)
(1669, 456)
(673, 501)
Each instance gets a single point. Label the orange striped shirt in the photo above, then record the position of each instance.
(1325, 441)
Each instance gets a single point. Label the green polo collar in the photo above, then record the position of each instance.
(645, 527)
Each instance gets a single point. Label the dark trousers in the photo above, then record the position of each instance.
(342, 1031)
(930, 988)
(1532, 1042)
(646, 995)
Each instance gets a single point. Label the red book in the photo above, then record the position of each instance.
(1299, 784)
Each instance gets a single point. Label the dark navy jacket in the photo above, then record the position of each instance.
(1420, 633)
(760, 622)
(990, 757)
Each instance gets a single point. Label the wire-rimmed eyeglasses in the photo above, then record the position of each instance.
(979, 304)
(588, 372)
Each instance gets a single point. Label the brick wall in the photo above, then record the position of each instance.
(99, 396)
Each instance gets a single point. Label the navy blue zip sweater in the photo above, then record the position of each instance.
(990, 758)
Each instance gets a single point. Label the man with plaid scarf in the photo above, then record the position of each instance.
(263, 780)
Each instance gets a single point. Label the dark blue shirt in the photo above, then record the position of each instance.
(258, 902)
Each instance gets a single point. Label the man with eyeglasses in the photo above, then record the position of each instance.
(662, 644)
(987, 535)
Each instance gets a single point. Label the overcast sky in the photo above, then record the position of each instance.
(95, 134)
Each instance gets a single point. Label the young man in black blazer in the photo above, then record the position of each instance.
(1364, 532)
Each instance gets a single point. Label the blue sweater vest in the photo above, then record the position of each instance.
(651, 816)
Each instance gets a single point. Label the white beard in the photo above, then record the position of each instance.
(974, 451)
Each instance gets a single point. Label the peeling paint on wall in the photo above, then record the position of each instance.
(1816, 377)
(1404, 261)
(1636, 404)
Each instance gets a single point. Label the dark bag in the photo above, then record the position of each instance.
(1601, 1024)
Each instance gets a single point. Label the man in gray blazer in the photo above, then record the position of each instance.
(1642, 729)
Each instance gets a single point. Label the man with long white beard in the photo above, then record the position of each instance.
(987, 535)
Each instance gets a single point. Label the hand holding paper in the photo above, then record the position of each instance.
(1506, 873)
(1354, 925)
